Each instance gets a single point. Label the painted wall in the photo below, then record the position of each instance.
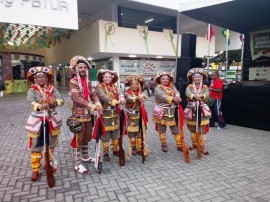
(133, 41)
(83, 42)
(106, 37)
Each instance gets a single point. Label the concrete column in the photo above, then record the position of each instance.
(114, 11)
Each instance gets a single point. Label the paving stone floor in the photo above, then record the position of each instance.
(237, 169)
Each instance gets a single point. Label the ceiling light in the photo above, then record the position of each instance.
(158, 56)
(132, 56)
(122, 13)
(150, 20)
(89, 58)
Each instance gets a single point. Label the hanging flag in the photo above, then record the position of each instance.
(211, 32)
(242, 37)
(224, 33)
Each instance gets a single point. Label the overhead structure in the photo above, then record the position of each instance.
(243, 16)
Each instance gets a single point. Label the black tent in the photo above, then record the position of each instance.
(243, 16)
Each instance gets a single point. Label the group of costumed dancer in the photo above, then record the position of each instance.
(105, 113)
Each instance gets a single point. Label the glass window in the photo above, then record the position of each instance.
(130, 18)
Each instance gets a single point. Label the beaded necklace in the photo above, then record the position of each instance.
(168, 89)
(110, 92)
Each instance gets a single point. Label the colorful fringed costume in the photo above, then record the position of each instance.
(42, 96)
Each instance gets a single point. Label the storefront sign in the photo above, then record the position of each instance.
(260, 44)
(49, 13)
(148, 69)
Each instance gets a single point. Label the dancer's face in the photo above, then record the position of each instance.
(82, 69)
(197, 79)
(134, 85)
(165, 80)
(107, 78)
(41, 79)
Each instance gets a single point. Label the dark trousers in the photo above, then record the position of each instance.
(148, 92)
(217, 114)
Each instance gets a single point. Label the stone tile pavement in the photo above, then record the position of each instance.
(237, 169)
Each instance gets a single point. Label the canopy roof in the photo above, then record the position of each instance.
(182, 5)
(242, 16)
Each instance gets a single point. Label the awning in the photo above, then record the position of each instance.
(241, 16)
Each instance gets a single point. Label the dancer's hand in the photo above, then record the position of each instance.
(99, 108)
(197, 97)
(177, 99)
(44, 106)
(122, 101)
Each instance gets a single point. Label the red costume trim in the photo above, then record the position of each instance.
(85, 89)
(74, 142)
(95, 132)
(48, 91)
(181, 117)
(30, 143)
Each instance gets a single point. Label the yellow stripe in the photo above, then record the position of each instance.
(133, 129)
(193, 123)
(111, 128)
(164, 122)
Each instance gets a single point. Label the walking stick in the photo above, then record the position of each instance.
(142, 130)
(198, 129)
(98, 161)
(182, 137)
(122, 159)
(49, 171)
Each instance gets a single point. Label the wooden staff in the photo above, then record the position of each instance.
(122, 159)
(143, 132)
(198, 129)
(49, 170)
(182, 137)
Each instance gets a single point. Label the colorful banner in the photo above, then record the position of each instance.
(260, 44)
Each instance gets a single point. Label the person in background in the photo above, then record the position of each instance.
(152, 85)
(216, 93)
(146, 87)
(58, 78)
(94, 76)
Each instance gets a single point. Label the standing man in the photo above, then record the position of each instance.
(167, 97)
(152, 85)
(94, 76)
(43, 97)
(110, 98)
(85, 102)
(216, 93)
